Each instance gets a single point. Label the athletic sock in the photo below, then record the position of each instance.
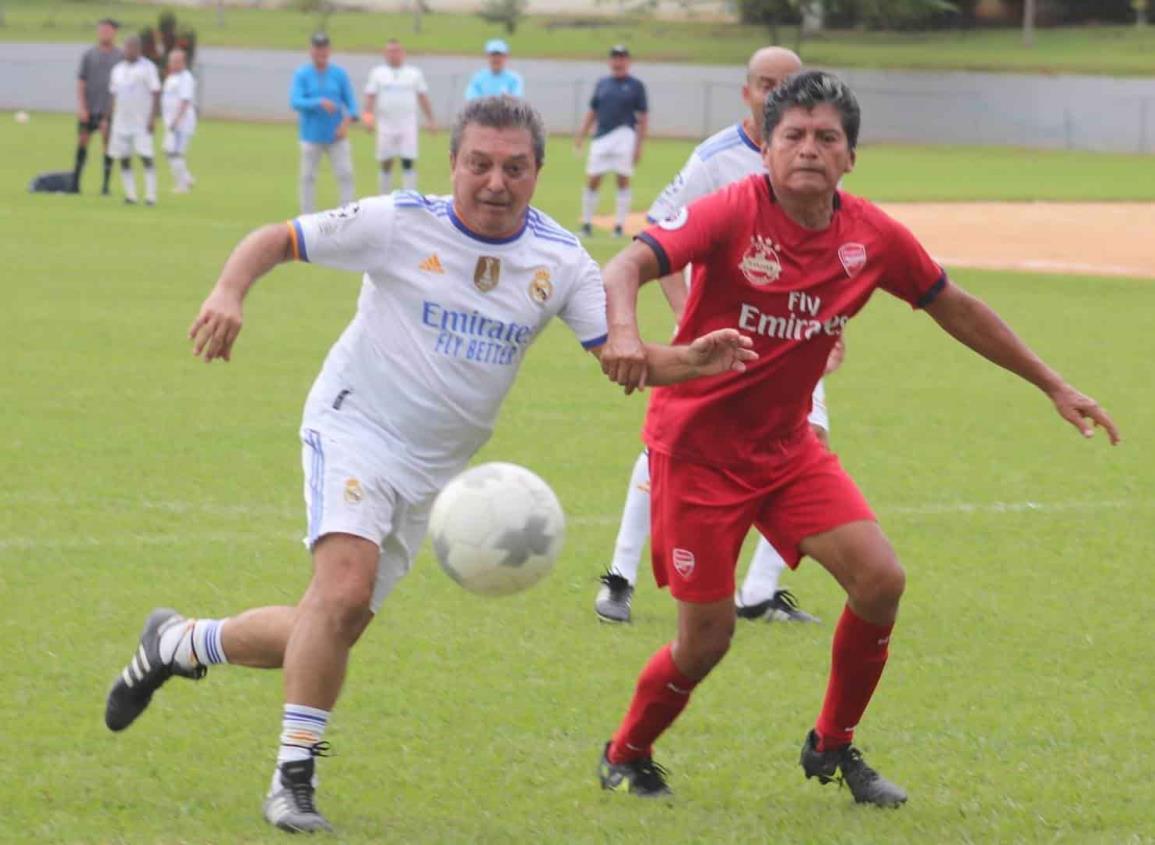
(128, 181)
(384, 182)
(661, 694)
(635, 526)
(179, 170)
(195, 643)
(761, 582)
(858, 658)
(622, 207)
(302, 727)
(107, 174)
(150, 183)
(589, 205)
(409, 179)
(78, 168)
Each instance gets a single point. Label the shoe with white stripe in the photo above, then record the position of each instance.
(145, 673)
(291, 806)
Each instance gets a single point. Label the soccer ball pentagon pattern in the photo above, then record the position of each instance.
(497, 529)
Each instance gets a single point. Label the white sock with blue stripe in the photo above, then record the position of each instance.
(302, 727)
(195, 643)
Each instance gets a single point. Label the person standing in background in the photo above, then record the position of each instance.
(495, 79)
(323, 98)
(178, 111)
(92, 105)
(392, 95)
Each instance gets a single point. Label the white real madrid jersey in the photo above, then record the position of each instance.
(179, 88)
(396, 90)
(724, 157)
(133, 84)
(443, 322)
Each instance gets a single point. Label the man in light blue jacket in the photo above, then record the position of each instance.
(495, 79)
(323, 97)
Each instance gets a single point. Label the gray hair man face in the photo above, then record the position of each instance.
(766, 70)
(496, 150)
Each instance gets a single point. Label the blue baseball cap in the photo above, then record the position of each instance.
(496, 45)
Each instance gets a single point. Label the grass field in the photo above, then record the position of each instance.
(1013, 706)
(1120, 50)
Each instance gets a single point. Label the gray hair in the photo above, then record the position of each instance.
(500, 112)
(808, 89)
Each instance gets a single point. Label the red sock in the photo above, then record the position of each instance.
(859, 656)
(662, 693)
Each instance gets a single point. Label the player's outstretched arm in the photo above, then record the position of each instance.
(623, 357)
(217, 325)
(974, 323)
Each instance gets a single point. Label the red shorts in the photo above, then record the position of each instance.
(701, 514)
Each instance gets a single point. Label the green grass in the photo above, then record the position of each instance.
(1013, 708)
(1118, 50)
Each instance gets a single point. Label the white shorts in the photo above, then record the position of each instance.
(396, 141)
(124, 144)
(818, 416)
(613, 153)
(345, 493)
(176, 141)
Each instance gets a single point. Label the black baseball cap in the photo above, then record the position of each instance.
(109, 22)
(319, 39)
(619, 50)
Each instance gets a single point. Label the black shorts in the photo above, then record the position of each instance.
(90, 125)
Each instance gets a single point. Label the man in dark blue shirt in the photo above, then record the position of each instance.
(619, 109)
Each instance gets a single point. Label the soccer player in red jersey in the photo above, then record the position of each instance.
(787, 259)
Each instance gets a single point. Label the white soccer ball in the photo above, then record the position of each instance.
(497, 529)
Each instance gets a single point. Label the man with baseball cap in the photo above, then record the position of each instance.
(323, 97)
(495, 79)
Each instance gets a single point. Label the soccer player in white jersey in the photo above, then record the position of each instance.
(135, 90)
(725, 157)
(179, 113)
(454, 291)
(392, 95)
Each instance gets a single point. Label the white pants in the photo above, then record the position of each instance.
(340, 156)
(176, 141)
(345, 493)
(396, 140)
(122, 144)
(613, 153)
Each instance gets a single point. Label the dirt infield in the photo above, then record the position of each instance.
(1102, 239)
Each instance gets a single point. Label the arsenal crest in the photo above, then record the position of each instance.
(487, 273)
(684, 562)
(853, 258)
(761, 264)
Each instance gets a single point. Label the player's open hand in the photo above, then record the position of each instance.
(623, 359)
(216, 327)
(834, 359)
(720, 351)
(1077, 409)
(328, 105)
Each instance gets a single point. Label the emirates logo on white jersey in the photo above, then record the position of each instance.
(761, 264)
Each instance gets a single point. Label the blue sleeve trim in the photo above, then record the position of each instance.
(302, 251)
(932, 294)
(659, 251)
(597, 341)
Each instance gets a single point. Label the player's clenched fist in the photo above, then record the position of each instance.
(216, 327)
(623, 360)
(720, 352)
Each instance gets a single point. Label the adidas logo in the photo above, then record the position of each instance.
(432, 264)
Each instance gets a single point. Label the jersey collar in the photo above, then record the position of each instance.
(747, 140)
(465, 230)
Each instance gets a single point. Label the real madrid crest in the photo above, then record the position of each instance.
(761, 264)
(541, 288)
(487, 273)
(353, 492)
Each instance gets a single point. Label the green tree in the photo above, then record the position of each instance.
(508, 13)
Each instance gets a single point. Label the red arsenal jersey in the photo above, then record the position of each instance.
(791, 290)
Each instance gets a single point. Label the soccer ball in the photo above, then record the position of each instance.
(497, 529)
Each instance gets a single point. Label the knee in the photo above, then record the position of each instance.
(406, 164)
(883, 586)
(343, 599)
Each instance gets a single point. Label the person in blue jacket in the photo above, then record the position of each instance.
(495, 79)
(323, 98)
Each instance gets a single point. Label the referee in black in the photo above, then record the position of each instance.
(92, 97)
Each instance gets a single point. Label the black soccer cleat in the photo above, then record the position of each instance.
(780, 607)
(614, 598)
(291, 807)
(642, 777)
(145, 673)
(587, 230)
(866, 785)
(618, 231)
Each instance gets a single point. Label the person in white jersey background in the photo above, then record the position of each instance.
(179, 113)
(729, 155)
(454, 290)
(135, 104)
(392, 95)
